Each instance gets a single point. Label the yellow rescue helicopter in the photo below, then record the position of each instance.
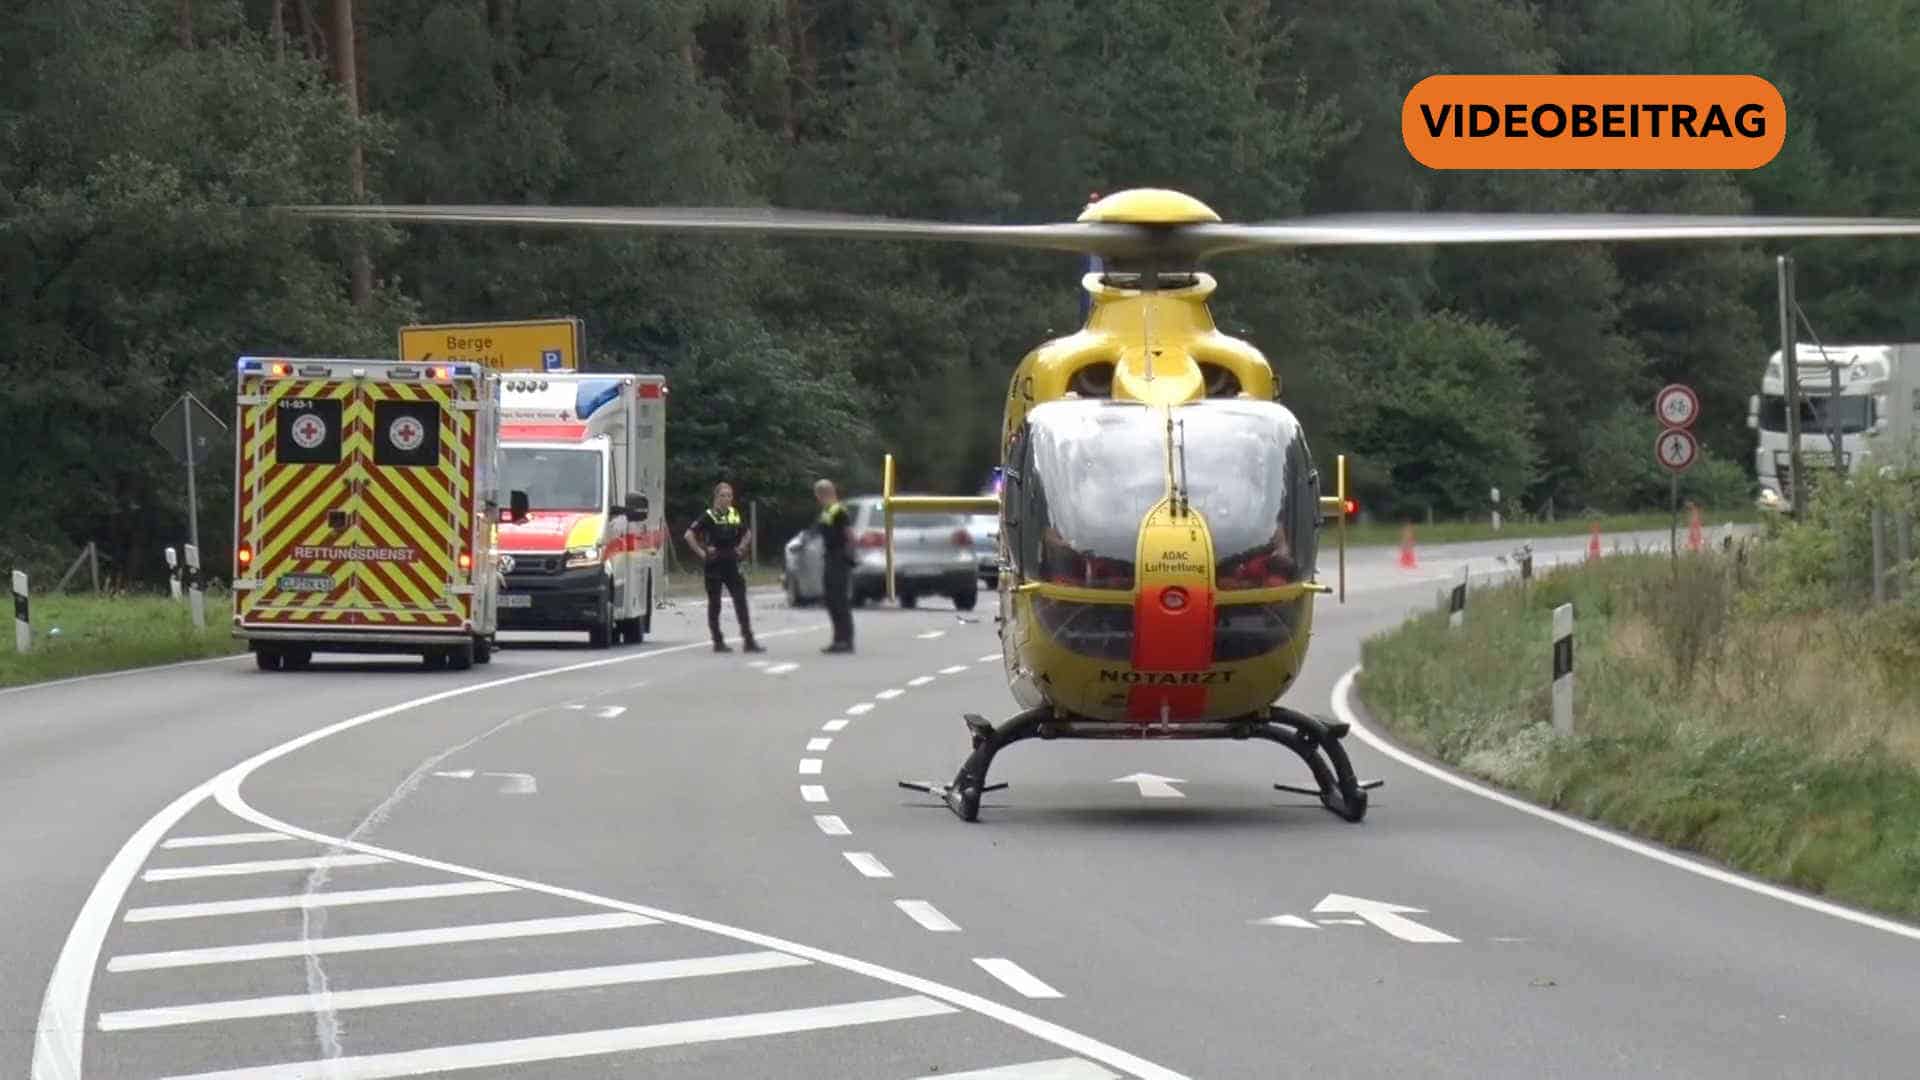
(1160, 511)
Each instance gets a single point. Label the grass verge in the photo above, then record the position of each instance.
(1384, 533)
(1785, 745)
(114, 632)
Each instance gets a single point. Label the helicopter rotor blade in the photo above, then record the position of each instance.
(1099, 238)
(1400, 229)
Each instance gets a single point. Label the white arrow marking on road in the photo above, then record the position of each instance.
(1286, 920)
(1154, 787)
(1386, 916)
(611, 711)
(929, 635)
(1344, 922)
(463, 774)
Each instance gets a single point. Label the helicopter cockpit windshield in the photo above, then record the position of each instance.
(1093, 469)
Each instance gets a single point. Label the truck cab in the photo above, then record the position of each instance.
(588, 449)
(1860, 407)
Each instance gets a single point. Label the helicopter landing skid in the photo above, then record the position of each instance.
(1318, 744)
(963, 795)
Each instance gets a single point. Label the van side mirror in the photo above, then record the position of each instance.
(517, 507)
(636, 506)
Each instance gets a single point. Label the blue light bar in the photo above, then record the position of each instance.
(248, 363)
(592, 394)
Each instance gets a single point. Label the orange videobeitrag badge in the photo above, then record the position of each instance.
(1593, 122)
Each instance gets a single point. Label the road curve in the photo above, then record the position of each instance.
(660, 860)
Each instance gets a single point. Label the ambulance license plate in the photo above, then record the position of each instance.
(305, 583)
(509, 599)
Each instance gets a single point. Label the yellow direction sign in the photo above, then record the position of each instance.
(534, 345)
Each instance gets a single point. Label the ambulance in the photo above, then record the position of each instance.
(365, 510)
(589, 451)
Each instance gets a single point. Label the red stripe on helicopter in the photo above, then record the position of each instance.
(1173, 628)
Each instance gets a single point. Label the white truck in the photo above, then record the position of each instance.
(1873, 410)
(589, 451)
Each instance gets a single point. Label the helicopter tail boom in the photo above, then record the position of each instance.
(891, 504)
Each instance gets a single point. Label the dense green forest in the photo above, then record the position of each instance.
(139, 138)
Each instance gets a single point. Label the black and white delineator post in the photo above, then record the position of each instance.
(199, 596)
(173, 572)
(1457, 603)
(22, 626)
(1563, 670)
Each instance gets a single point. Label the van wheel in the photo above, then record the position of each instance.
(296, 659)
(268, 659)
(482, 649)
(461, 656)
(601, 635)
(908, 599)
(630, 631)
(434, 660)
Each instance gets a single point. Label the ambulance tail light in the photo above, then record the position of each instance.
(466, 561)
(438, 374)
(244, 553)
(280, 371)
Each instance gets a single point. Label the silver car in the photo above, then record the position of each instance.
(985, 530)
(933, 554)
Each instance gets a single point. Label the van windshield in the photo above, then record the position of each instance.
(553, 479)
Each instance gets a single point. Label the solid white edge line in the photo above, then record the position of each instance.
(1017, 977)
(264, 866)
(816, 746)
(394, 939)
(928, 916)
(809, 766)
(253, 904)
(868, 864)
(832, 825)
(813, 792)
(98, 675)
(1056, 1069)
(835, 725)
(227, 791)
(374, 997)
(61, 1028)
(223, 839)
(580, 1044)
(1341, 707)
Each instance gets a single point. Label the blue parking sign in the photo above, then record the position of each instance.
(551, 358)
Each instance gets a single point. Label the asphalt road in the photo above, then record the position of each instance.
(659, 861)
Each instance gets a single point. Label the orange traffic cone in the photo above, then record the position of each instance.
(1593, 542)
(1407, 559)
(1694, 539)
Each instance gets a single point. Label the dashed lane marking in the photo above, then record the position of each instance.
(816, 746)
(451, 990)
(832, 825)
(888, 695)
(400, 939)
(781, 669)
(813, 793)
(225, 839)
(809, 766)
(594, 1043)
(863, 707)
(920, 680)
(1055, 1069)
(866, 863)
(930, 635)
(835, 725)
(1016, 976)
(954, 670)
(266, 866)
(314, 900)
(927, 916)
(989, 657)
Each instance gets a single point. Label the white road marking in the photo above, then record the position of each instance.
(1017, 977)
(813, 793)
(927, 916)
(832, 825)
(517, 783)
(989, 657)
(452, 990)
(1056, 1069)
(863, 707)
(1153, 786)
(1344, 687)
(456, 774)
(1286, 920)
(818, 745)
(867, 864)
(608, 712)
(758, 663)
(835, 725)
(888, 695)
(266, 866)
(227, 838)
(809, 766)
(121, 674)
(399, 939)
(61, 1026)
(920, 680)
(305, 900)
(954, 670)
(930, 635)
(591, 1043)
(782, 669)
(1344, 922)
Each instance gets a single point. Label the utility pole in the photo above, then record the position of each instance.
(346, 72)
(1797, 478)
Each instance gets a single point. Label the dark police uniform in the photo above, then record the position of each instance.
(837, 572)
(720, 533)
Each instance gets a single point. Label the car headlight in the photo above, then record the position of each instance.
(583, 556)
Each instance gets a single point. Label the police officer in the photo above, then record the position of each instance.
(720, 540)
(836, 540)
